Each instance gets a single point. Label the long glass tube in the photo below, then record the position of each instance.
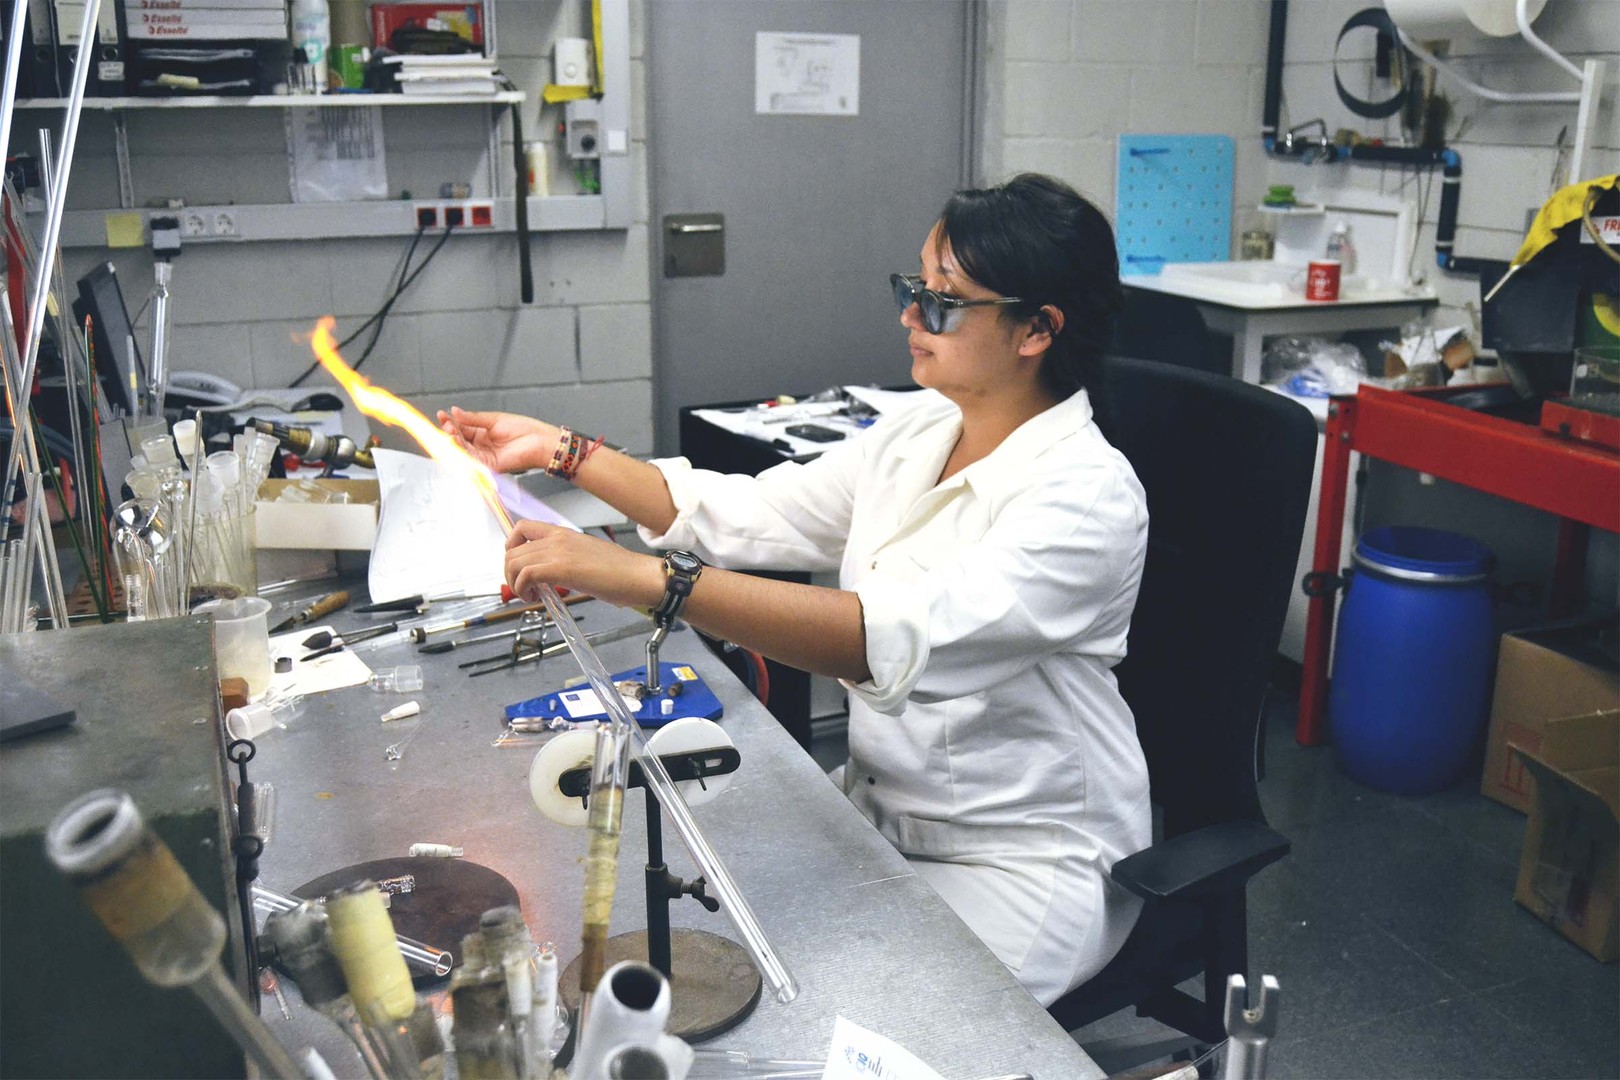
(8, 97)
(721, 884)
(439, 961)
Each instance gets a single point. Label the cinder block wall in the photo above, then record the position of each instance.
(1064, 78)
(582, 352)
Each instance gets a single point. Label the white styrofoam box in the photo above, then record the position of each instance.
(350, 526)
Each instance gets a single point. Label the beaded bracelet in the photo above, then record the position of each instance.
(569, 455)
(564, 459)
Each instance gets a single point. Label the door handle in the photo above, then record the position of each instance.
(704, 227)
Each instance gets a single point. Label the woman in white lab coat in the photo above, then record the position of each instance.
(989, 544)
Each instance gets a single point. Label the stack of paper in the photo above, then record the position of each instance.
(428, 75)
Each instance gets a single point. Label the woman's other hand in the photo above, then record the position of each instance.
(538, 553)
(503, 442)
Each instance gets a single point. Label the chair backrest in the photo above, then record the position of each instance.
(1169, 329)
(1227, 470)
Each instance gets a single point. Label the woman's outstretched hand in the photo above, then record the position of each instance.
(538, 553)
(503, 442)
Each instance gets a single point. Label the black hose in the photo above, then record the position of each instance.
(525, 269)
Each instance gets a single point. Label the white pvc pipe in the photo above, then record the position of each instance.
(1591, 84)
(1525, 97)
(1522, 16)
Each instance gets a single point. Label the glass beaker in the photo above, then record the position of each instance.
(242, 640)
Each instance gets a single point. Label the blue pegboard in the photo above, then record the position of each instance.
(1173, 200)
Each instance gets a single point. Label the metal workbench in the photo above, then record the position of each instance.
(865, 937)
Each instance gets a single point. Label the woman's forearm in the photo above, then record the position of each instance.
(817, 629)
(631, 486)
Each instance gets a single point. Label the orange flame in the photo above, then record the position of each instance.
(379, 404)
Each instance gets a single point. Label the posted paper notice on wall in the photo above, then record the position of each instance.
(807, 74)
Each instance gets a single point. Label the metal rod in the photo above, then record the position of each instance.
(214, 990)
(721, 884)
(8, 97)
(56, 200)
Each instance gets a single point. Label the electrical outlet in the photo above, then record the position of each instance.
(193, 225)
(225, 223)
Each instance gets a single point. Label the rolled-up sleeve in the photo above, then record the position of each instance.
(790, 517)
(1057, 569)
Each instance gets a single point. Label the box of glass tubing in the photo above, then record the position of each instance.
(317, 514)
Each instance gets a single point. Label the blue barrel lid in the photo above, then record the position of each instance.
(1416, 553)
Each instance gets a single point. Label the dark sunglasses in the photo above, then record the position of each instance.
(940, 313)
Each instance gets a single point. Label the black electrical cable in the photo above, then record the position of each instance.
(405, 278)
(386, 308)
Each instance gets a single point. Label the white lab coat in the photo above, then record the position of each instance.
(991, 745)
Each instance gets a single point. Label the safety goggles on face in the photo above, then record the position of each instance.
(940, 313)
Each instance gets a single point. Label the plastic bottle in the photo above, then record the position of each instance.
(312, 37)
(1342, 248)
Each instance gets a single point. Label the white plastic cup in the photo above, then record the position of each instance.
(242, 640)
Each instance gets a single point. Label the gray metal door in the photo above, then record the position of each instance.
(817, 210)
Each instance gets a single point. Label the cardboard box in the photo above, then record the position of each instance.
(1571, 860)
(1543, 674)
(350, 526)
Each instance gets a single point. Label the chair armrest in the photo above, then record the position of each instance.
(1214, 859)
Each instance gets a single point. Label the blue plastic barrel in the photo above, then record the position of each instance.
(1412, 663)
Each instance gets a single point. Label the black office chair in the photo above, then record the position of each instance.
(1169, 329)
(1227, 471)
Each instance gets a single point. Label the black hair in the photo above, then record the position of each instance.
(1036, 238)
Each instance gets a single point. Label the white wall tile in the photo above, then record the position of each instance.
(220, 350)
(540, 346)
(1070, 101)
(592, 268)
(1085, 164)
(1038, 29)
(1198, 100)
(612, 340)
(1231, 32)
(461, 350)
(1141, 31)
(231, 283)
(281, 353)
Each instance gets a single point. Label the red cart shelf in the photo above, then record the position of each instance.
(1578, 482)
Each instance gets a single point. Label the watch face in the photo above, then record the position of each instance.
(684, 562)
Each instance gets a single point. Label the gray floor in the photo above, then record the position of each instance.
(1392, 931)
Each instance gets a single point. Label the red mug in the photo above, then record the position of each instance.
(1322, 279)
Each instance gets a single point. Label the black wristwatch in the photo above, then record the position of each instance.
(681, 570)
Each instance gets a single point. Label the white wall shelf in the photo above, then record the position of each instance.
(612, 209)
(390, 217)
(276, 101)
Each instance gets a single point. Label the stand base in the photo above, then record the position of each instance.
(714, 988)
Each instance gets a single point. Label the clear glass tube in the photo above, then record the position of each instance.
(721, 885)
(714, 1063)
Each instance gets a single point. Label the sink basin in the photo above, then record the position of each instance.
(1257, 281)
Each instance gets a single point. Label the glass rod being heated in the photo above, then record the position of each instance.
(624, 736)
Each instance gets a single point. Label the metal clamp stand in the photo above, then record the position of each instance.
(247, 846)
(713, 981)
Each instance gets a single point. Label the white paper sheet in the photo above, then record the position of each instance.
(435, 535)
(335, 154)
(816, 74)
(858, 1054)
(333, 671)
